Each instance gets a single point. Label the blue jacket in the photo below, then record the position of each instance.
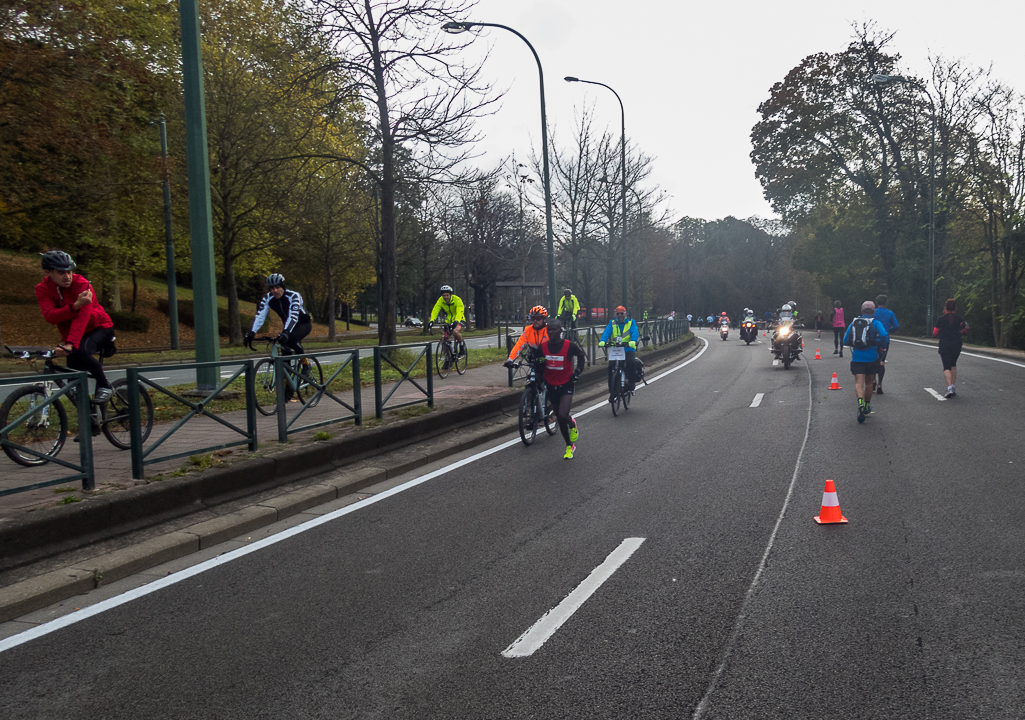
(868, 354)
(634, 335)
(887, 318)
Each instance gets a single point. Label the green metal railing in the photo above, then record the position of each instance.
(136, 378)
(287, 364)
(78, 384)
(381, 353)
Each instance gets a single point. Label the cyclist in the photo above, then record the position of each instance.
(618, 327)
(569, 309)
(557, 356)
(68, 301)
(288, 304)
(533, 335)
(452, 306)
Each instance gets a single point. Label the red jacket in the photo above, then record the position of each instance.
(57, 306)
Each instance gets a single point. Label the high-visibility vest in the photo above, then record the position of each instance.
(626, 330)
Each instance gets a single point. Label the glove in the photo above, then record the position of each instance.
(576, 376)
(633, 345)
(601, 344)
(509, 364)
(250, 336)
(283, 337)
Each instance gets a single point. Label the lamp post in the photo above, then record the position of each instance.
(883, 80)
(172, 278)
(459, 27)
(622, 159)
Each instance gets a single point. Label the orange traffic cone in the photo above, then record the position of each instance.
(830, 512)
(817, 356)
(835, 385)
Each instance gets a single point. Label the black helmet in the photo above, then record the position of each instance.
(57, 260)
(275, 279)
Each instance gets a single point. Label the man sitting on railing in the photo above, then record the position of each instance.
(533, 335)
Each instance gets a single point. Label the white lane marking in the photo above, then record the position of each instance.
(118, 600)
(935, 394)
(975, 355)
(538, 633)
(699, 711)
(758, 400)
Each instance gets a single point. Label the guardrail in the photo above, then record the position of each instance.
(76, 383)
(286, 364)
(383, 353)
(136, 378)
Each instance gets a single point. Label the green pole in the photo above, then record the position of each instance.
(204, 286)
(172, 278)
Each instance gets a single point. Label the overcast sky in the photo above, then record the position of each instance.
(692, 75)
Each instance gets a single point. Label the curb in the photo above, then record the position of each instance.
(236, 482)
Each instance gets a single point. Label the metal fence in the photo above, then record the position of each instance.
(384, 354)
(285, 370)
(20, 410)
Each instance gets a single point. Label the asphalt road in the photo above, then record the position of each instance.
(723, 600)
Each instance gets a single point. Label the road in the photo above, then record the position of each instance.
(677, 549)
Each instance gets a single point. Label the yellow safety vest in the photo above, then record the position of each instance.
(626, 329)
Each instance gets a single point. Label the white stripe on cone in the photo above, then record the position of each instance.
(829, 499)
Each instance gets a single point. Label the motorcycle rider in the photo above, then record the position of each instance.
(621, 326)
(787, 315)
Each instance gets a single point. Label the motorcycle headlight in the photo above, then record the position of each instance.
(784, 331)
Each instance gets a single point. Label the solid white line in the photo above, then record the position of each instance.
(975, 355)
(935, 394)
(699, 711)
(538, 633)
(758, 400)
(111, 603)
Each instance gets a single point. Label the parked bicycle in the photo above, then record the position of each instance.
(450, 353)
(533, 398)
(302, 378)
(45, 429)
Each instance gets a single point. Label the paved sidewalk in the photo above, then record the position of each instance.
(113, 466)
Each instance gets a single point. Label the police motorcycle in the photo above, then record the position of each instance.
(787, 343)
(724, 326)
(749, 327)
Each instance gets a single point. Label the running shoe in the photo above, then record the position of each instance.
(102, 395)
(953, 391)
(574, 433)
(879, 390)
(569, 452)
(868, 409)
(861, 414)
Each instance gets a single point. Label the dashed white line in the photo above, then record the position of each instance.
(538, 633)
(758, 400)
(935, 394)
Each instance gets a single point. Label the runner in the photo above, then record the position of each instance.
(865, 336)
(889, 321)
(560, 377)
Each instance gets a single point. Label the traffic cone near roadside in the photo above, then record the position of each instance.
(817, 356)
(830, 511)
(835, 385)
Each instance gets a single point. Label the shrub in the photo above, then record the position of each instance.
(186, 315)
(129, 321)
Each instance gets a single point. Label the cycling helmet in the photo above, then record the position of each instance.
(57, 260)
(275, 279)
(446, 288)
(538, 311)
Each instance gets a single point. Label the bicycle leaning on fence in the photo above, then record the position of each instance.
(533, 398)
(302, 377)
(45, 429)
(450, 353)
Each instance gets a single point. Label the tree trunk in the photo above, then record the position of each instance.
(231, 288)
(330, 305)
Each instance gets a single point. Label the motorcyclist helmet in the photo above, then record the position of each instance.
(787, 307)
(446, 288)
(275, 280)
(724, 313)
(57, 260)
(538, 311)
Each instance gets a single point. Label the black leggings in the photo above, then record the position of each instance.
(82, 358)
(837, 337)
(295, 337)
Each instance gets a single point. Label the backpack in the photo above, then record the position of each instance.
(863, 333)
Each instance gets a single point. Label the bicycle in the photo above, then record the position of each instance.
(533, 398)
(299, 379)
(448, 354)
(40, 432)
(615, 352)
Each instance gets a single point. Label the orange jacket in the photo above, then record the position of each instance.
(531, 337)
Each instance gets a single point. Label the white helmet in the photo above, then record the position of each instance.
(446, 289)
(786, 308)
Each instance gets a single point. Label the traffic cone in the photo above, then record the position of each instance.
(835, 385)
(817, 356)
(830, 512)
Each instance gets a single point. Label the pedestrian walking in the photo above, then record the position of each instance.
(837, 319)
(820, 320)
(889, 321)
(866, 336)
(950, 327)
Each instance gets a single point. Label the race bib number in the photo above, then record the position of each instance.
(617, 353)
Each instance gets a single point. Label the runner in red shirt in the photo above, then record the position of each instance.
(560, 377)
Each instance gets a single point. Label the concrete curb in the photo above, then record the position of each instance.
(41, 591)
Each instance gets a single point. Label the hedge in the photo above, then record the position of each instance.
(129, 321)
(187, 315)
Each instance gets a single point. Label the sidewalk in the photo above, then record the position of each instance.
(113, 470)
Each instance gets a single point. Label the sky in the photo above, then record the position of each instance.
(691, 75)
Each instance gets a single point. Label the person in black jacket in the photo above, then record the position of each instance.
(949, 328)
(288, 304)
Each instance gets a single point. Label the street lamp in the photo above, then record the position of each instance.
(172, 281)
(459, 27)
(622, 117)
(883, 80)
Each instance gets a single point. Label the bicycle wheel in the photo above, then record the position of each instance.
(626, 399)
(460, 361)
(312, 374)
(40, 431)
(114, 415)
(551, 421)
(266, 395)
(528, 410)
(617, 393)
(442, 359)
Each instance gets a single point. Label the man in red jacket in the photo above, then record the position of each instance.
(67, 300)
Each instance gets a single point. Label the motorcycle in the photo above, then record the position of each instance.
(787, 343)
(749, 331)
(724, 330)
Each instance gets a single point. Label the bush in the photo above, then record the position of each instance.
(187, 316)
(129, 321)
